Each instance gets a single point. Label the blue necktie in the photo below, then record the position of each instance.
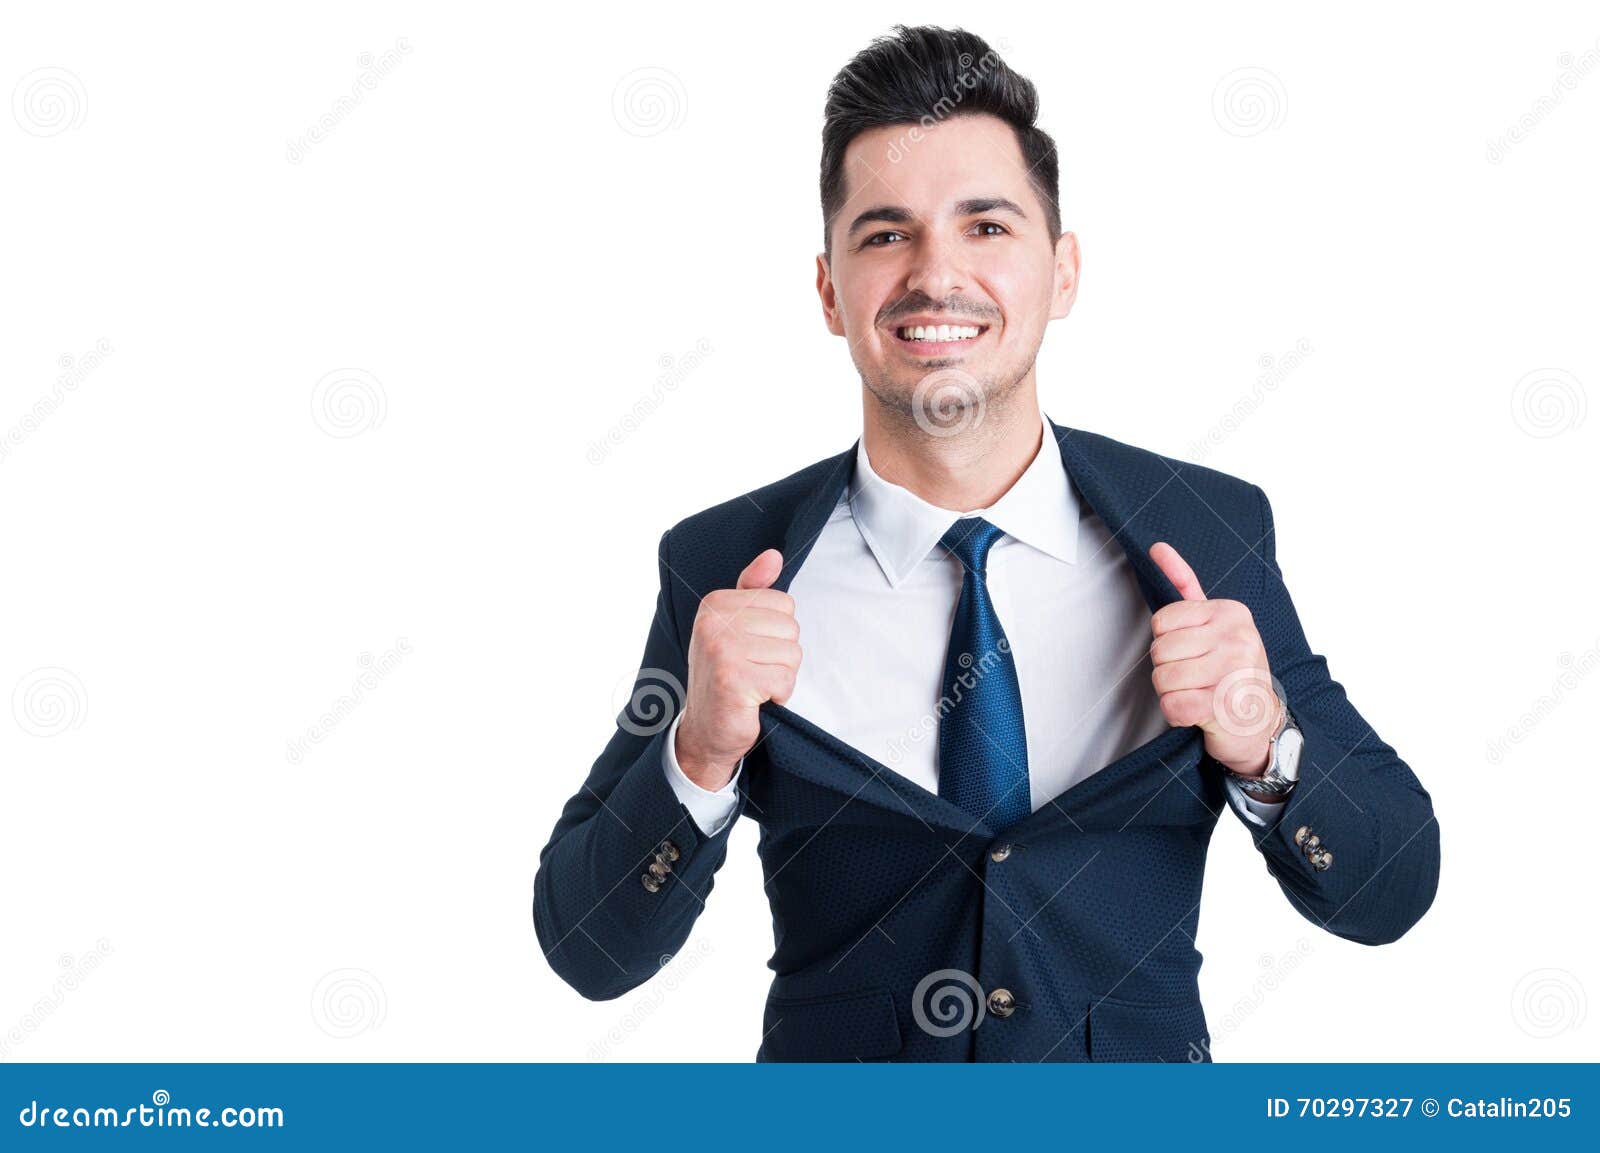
(983, 750)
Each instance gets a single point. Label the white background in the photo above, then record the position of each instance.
(519, 230)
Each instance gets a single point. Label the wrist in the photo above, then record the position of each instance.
(1257, 765)
(1275, 776)
(1255, 768)
(708, 772)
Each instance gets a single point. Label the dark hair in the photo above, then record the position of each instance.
(921, 76)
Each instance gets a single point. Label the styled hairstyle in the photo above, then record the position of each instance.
(922, 76)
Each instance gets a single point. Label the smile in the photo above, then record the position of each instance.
(935, 338)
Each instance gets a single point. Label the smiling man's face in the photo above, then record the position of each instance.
(941, 227)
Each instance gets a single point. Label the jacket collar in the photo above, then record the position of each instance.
(1126, 504)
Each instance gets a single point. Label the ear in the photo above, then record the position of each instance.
(830, 301)
(1068, 261)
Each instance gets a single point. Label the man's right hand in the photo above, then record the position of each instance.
(744, 650)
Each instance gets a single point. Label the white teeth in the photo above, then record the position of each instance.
(940, 332)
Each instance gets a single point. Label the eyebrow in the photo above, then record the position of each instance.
(894, 214)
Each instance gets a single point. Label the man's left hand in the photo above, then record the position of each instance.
(1210, 670)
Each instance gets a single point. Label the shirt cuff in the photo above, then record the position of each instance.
(1260, 813)
(710, 810)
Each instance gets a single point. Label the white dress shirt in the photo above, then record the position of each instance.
(876, 598)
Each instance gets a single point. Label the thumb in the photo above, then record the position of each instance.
(1177, 570)
(762, 571)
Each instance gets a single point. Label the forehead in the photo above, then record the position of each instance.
(927, 169)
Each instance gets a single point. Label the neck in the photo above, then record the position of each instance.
(966, 470)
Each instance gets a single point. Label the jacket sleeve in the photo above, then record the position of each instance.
(605, 921)
(1357, 807)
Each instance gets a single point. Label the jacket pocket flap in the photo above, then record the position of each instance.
(1122, 1031)
(837, 1028)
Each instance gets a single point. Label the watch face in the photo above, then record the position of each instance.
(1289, 745)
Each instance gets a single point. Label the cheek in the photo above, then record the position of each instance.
(1023, 296)
(861, 303)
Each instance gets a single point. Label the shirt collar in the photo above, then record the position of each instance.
(1040, 509)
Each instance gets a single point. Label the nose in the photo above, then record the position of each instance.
(937, 271)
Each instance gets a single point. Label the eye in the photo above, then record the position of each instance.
(874, 241)
(999, 229)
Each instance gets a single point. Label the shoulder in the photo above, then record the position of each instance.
(1172, 478)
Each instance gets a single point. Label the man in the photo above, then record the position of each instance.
(1037, 662)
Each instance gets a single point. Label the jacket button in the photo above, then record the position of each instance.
(651, 883)
(999, 852)
(659, 869)
(670, 850)
(1322, 861)
(1002, 1003)
(1301, 834)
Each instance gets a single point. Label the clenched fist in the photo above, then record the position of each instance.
(744, 650)
(1210, 669)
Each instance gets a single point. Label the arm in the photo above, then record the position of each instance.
(1365, 807)
(603, 927)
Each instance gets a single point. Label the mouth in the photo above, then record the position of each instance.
(939, 339)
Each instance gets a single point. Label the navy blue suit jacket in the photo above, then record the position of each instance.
(891, 906)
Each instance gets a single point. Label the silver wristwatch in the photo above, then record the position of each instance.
(1283, 763)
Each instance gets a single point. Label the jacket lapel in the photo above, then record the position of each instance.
(1124, 494)
(1138, 506)
(804, 748)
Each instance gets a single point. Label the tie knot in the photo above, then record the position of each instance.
(970, 538)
